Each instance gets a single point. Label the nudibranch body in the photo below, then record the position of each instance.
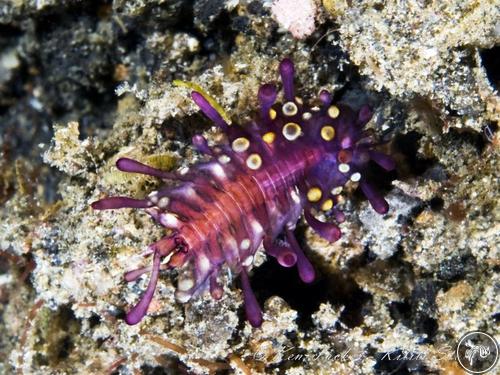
(253, 189)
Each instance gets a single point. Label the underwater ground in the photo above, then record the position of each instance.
(83, 83)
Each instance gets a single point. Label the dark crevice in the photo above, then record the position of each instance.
(458, 136)
(417, 311)
(491, 61)
(327, 56)
(52, 19)
(339, 289)
(408, 145)
(436, 204)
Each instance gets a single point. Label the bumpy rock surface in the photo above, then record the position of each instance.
(84, 83)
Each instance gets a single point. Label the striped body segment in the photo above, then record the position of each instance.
(252, 190)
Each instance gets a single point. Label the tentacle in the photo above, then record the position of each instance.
(285, 256)
(135, 315)
(287, 72)
(385, 161)
(267, 96)
(200, 144)
(209, 110)
(326, 98)
(328, 231)
(252, 308)
(135, 274)
(120, 202)
(133, 166)
(377, 201)
(164, 247)
(306, 270)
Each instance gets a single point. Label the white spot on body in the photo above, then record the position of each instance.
(153, 197)
(333, 111)
(291, 131)
(254, 161)
(245, 244)
(355, 177)
(289, 109)
(344, 168)
(295, 196)
(224, 159)
(169, 220)
(218, 171)
(163, 202)
(306, 116)
(257, 228)
(203, 264)
(240, 144)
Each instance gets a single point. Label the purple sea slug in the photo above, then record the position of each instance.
(292, 159)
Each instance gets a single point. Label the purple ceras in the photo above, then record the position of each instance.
(292, 158)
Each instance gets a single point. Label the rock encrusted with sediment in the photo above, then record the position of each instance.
(82, 85)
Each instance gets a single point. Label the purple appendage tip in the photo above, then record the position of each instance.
(325, 97)
(252, 308)
(328, 231)
(208, 109)
(285, 256)
(200, 143)
(135, 274)
(287, 72)
(138, 312)
(267, 96)
(305, 268)
(378, 202)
